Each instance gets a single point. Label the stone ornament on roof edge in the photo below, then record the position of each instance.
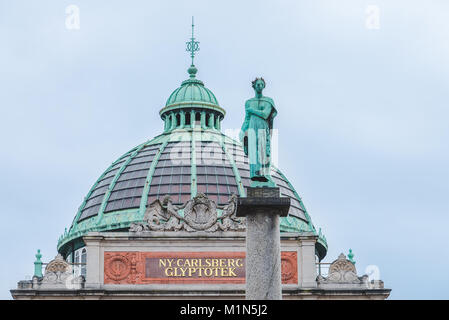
(343, 274)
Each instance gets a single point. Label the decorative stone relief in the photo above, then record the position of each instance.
(200, 214)
(122, 267)
(342, 270)
(343, 274)
(58, 264)
(289, 267)
(58, 274)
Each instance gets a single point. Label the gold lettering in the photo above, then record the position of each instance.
(169, 272)
(192, 270)
(200, 267)
(239, 262)
(208, 272)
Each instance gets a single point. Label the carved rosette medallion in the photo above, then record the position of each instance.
(289, 270)
(120, 267)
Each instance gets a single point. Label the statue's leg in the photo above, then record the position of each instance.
(259, 146)
(262, 152)
(252, 152)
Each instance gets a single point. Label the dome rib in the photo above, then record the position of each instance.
(193, 176)
(234, 166)
(146, 188)
(114, 181)
(209, 96)
(200, 91)
(86, 198)
(184, 91)
(309, 220)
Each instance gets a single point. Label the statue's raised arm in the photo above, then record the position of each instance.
(256, 134)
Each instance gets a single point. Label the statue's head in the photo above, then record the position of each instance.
(258, 85)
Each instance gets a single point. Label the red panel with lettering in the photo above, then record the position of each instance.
(186, 267)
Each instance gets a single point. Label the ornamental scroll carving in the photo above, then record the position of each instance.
(342, 271)
(200, 214)
(58, 264)
(59, 274)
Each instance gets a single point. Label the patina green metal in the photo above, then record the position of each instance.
(192, 93)
(38, 264)
(351, 256)
(193, 177)
(192, 45)
(256, 135)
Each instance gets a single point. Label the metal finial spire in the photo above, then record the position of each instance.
(192, 45)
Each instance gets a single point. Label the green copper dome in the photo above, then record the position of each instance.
(192, 91)
(192, 94)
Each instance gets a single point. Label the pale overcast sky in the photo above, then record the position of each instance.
(363, 115)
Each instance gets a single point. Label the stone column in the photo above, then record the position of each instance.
(183, 119)
(173, 120)
(211, 121)
(203, 119)
(93, 262)
(217, 123)
(166, 122)
(307, 262)
(192, 119)
(262, 209)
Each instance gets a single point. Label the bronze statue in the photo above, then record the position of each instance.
(256, 135)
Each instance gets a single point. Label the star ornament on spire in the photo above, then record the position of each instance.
(192, 45)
